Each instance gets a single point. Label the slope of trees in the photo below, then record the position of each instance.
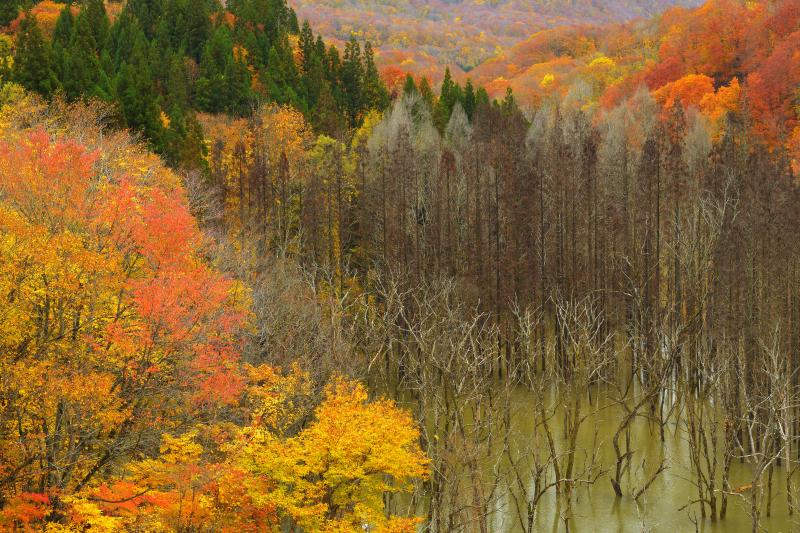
(626, 249)
(753, 50)
(529, 252)
(427, 36)
(132, 398)
(161, 62)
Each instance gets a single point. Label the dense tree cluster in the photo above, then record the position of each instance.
(670, 231)
(521, 211)
(624, 251)
(424, 37)
(161, 62)
(133, 396)
(603, 65)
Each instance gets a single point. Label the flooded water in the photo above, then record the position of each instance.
(666, 505)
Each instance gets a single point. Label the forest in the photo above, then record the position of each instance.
(252, 284)
(424, 36)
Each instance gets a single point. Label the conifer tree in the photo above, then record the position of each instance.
(216, 90)
(125, 33)
(147, 12)
(6, 59)
(352, 79)
(306, 42)
(96, 16)
(333, 73)
(313, 80)
(481, 98)
(197, 23)
(293, 25)
(134, 90)
(62, 38)
(327, 117)
(448, 96)
(509, 103)
(81, 73)
(176, 82)
(9, 10)
(426, 92)
(183, 139)
(469, 99)
(33, 62)
(409, 86)
(375, 94)
(320, 47)
(62, 35)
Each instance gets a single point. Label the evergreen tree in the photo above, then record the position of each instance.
(197, 24)
(352, 79)
(96, 16)
(306, 43)
(33, 63)
(134, 90)
(62, 38)
(9, 10)
(313, 80)
(147, 13)
(320, 46)
(281, 75)
(125, 33)
(326, 117)
(6, 59)
(292, 23)
(274, 78)
(223, 83)
(176, 82)
(65, 24)
(426, 93)
(312, 72)
(183, 139)
(448, 96)
(509, 103)
(81, 74)
(469, 101)
(448, 87)
(481, 98)
(333, 73)
(375, 95)
(409, 86)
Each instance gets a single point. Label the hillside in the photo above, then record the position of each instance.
(755, 54)
(252, 284)
(160, 63)
(420, 36)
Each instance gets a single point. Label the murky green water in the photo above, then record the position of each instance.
(596, 508)
(664, 506)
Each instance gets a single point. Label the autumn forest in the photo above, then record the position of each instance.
(270, 266)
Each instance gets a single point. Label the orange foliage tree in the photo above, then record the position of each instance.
(46, 13)
(112, 323)
(122, 392)
(688, 91)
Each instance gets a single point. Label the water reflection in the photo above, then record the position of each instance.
(668, 503)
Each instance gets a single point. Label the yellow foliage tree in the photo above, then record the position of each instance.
(332, 476)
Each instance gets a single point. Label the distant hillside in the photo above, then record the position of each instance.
(422, 35)
(753, 61)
